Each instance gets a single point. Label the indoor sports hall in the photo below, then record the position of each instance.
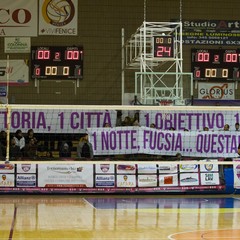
(119, 120)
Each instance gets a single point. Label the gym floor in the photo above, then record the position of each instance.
(193, 217)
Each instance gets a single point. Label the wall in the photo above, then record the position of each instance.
(99, 26)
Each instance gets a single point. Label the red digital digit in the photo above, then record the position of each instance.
(69, 55)
(164, 51)
(160, 51)
(37, 71)
(75, 55)
(57, 55)
(72, 55)
(231, 57)
(216, 58)
(168, 50)
(197, 73)
(202, 57)
(43, 54)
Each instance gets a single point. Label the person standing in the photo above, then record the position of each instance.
(84, 148)
(20, 140)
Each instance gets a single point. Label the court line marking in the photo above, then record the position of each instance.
(170, 237)
(13, 223)
(85, 200)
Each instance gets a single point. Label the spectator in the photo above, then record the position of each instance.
(49, 155)
(136, 123)
(152, 125)
(226, 127)
(31, 149)
(205, 129)
(119, 119)
(20, 140)
(3, 142)
(106, 125)
(237, 126)
(84, 148)
(127, 121)
(65, 150)
(14, 150)
(135, 120)
(30, 135)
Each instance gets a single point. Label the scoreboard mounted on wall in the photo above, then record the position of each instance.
(57, 62)
(215, 64)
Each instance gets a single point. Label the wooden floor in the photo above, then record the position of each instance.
(107, 217)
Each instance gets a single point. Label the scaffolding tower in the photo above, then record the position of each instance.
(155, 49)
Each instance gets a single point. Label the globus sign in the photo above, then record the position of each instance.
(216, 91)
(18, 18)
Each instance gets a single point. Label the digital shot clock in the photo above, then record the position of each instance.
(163, 46)
(215, 64)
(57, 62)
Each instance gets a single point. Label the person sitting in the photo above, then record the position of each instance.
(30, 135)
(3, 141)
(49, 155)
(65, 151)
(14, 150)
(31, 149)
(84, 148)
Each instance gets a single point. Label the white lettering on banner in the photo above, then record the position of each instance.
(191, 120)
(56, 121)
(143, 140)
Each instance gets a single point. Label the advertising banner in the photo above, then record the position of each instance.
(65, 175)
(217, 91)
(210, 178)
(18, 18)
(58, 17)
(168, 168)
(189, 179)
(105, 181)
(15, 72)
(168, 180)
(7, 180)
(147, 180)
(236, 171)
(211, 32)
(26, 180)
(17, 44)
(147, 168)
(26, 168)
(76, 177)
(126, 181)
